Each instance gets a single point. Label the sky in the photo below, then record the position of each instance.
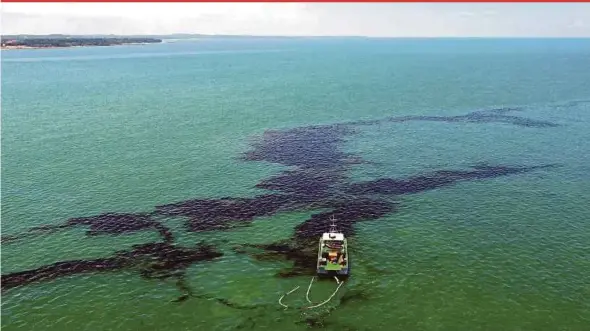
(302, 19)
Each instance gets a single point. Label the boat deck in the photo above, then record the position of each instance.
(333, 266)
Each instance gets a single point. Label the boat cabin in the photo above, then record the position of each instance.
(332, 256)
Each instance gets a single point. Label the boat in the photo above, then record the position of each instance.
(333, 259)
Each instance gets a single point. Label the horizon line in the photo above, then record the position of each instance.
(185, 34)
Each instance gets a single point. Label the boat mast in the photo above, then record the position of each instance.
(333, 228)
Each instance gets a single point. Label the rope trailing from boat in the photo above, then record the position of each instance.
(284, 295)
(330, 298)
(340, 283)
(309, 289)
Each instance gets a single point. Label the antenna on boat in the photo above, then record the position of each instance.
(333, 228)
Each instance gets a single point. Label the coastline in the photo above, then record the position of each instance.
(19, 47)
(12, 48)
(17, 42)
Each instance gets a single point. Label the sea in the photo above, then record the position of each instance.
(459, 169)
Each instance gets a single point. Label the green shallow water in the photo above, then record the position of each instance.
(123, 129)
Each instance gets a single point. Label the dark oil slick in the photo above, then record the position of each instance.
(108, 223)
(317, 179)
(154, 260)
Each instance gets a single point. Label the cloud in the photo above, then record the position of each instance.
(579, 24)
(366, 19)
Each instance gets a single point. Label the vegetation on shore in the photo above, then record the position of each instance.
(72, 42)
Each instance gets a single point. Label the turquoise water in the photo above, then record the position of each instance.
(126, 128)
